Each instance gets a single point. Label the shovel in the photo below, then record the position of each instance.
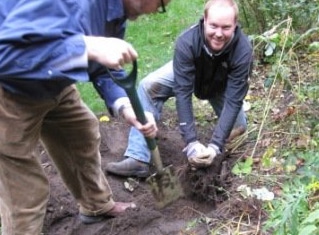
(164, 184)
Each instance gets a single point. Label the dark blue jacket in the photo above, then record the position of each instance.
(42, 47)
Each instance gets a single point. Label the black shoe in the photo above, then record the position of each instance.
(129, 167)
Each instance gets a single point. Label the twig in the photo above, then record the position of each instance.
(268, 101)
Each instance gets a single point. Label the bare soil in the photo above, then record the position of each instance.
(210, 194)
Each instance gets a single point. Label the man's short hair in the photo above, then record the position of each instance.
(231, 3)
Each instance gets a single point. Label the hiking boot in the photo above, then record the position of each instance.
(128, 167)
(118, 210)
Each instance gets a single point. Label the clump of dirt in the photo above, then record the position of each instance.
(203, 184)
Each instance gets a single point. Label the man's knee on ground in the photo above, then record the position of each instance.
(237, 131)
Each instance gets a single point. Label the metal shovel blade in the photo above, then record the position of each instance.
(164, 185)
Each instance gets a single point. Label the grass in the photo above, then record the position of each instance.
(153, 36)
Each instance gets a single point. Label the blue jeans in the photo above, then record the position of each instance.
(153, 91)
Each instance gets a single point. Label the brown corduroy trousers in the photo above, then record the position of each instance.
(70, 133)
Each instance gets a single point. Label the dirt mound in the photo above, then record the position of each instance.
(203, 194)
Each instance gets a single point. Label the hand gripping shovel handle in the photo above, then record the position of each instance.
(128, 83)
(164, 184)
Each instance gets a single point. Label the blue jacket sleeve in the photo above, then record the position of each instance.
(31, 44)
(108, 89)
(115, 26)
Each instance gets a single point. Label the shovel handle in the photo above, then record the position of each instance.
(128, 84)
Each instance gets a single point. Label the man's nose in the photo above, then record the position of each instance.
(218, 32)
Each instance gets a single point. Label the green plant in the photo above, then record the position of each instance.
(285, 218)
(293, 212)
(243, 167)
(257, 16)
(310, 225)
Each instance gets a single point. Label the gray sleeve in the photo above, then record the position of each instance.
(184, 73)
(237, 87)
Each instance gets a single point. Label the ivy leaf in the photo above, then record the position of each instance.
(314, 46)
(270, 48)
(312, 217)
(308, 230)
(243, 167)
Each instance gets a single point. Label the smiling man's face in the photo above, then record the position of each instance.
(219, 26)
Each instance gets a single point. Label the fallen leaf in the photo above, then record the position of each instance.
(104, 118)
